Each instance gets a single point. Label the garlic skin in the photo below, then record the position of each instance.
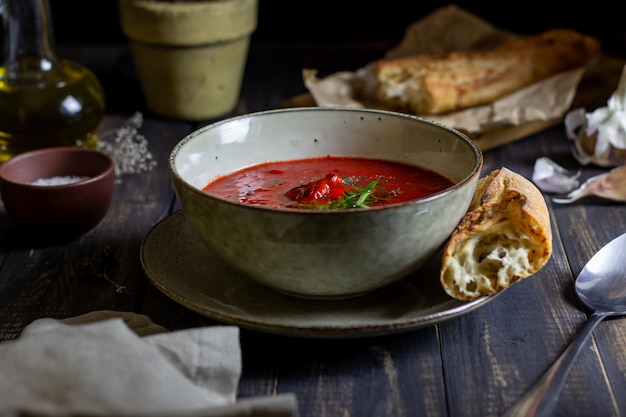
(610, 185)
(550, 177)
(600, 136)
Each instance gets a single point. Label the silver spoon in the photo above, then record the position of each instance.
(601, 285)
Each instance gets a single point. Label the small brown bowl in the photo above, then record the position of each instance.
(64, 190)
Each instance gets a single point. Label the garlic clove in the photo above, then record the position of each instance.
(610, 186)
(553, 178)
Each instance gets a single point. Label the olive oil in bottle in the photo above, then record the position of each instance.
(44, 101)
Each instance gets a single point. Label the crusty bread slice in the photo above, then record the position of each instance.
(504, 236)
(434, 83)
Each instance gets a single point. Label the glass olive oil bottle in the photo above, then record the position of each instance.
(45, 101)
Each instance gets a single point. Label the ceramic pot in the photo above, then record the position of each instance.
(190, 56)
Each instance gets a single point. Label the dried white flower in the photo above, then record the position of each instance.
(128, 148)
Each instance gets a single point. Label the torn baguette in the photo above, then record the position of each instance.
(434, 83)
(504, 236)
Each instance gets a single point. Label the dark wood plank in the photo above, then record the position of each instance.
(538, 317)
(327, 376)
(474, 365)
(99, 270)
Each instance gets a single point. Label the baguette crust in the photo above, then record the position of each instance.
(442, 82)
(504, 236)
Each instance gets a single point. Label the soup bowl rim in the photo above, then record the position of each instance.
(475, 150)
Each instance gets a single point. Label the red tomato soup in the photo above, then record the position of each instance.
(328, 182)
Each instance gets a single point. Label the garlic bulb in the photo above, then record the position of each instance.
(600, 136)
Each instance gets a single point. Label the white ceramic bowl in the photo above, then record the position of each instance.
(324, 254)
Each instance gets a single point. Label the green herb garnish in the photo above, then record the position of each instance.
(359, 198)
(356, 198)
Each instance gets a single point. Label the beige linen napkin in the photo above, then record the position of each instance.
(98, 368)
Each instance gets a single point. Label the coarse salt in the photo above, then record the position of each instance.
(59, 180)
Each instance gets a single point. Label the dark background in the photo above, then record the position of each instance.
(96, 21)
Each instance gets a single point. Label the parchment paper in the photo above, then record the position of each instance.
(524, 112)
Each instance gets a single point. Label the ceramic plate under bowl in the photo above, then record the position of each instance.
(176, 261)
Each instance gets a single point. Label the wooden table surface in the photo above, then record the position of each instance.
(477, 364)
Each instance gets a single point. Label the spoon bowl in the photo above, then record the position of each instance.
(601, 286)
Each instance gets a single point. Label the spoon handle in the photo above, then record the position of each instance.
(540, 399)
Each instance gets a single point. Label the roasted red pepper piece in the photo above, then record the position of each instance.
(330, 185)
